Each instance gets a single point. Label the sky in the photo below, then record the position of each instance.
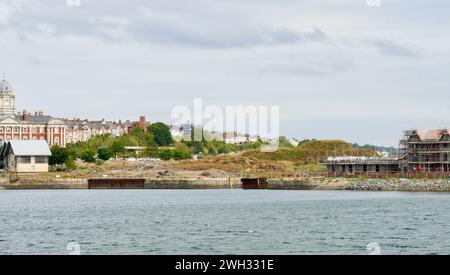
(348, 69)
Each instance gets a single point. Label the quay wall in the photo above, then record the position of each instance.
(201, 183)
(235, 183)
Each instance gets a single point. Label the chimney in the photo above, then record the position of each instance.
(142, 119)
(40, 113)
(25, 115)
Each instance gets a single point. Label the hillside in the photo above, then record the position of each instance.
(284, 162)
(312, 152)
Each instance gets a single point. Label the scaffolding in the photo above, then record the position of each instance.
(425, 151)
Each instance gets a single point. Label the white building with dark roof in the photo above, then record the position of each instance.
(25, 126)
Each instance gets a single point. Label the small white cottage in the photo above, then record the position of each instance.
(25, 156)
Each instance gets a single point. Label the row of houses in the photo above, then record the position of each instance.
(56, 131)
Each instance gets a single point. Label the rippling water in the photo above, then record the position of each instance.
(223, 222)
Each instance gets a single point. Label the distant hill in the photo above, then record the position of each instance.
(312, 152)
(376, 148)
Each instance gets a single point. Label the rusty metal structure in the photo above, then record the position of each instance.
(254, 183)
(113, 183)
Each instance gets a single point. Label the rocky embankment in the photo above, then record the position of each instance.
(399, 185)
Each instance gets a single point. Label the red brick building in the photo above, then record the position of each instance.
(25, 126)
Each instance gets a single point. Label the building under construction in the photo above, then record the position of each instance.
(425, 151)
(420, 151)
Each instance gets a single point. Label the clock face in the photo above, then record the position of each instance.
(6, 102)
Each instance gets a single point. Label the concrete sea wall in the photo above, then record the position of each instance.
(235, 183)
(45, 184)
(201, 183)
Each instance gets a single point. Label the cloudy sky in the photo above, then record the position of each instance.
(337, 69)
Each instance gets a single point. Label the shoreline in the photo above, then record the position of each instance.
(402, 185)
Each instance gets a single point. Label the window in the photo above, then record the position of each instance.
(23, 160)
(16, 129)
(34, 129)
(24, 138)
(56, 130)
(56, 141)
(25, 130)
(2, 129)
(8, 129)
(40, 160)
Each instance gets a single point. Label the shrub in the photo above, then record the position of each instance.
(166, 154)
(70, 163)
(88, 156)
(179, 155)
(104, 153)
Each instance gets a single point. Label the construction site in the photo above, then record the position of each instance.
(421, 153)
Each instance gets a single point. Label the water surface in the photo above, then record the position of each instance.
(223, 222)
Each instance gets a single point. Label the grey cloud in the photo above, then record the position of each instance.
(197, 27)
(388, 47)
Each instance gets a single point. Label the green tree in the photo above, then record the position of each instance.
(166, 154)
(117, 147)
(59, 155)
(104, 153)
(161, 133)
(70, 163)
(88, 156)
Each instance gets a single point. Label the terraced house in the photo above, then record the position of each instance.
(82, 130)
(25, 126)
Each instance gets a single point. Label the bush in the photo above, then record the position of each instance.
(104, 153)
(117, 147)
(59, 155)
(179, 155)
(166, 154)
(70, 163)
(88, 156)
(224, 149)
(212, 151)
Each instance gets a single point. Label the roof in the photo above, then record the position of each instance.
(431, 135)
(30, 147)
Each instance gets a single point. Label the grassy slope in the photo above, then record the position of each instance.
(283, 162)
(312, 152)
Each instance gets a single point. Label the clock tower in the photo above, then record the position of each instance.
(7, 99)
